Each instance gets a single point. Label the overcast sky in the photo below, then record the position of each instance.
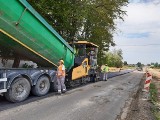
(139, 34)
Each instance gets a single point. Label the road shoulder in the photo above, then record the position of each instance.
(139, 108)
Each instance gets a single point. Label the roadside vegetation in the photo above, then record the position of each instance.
(155, 65)
(154, 100)
(114, 58)
(154, 93)
(128, 67)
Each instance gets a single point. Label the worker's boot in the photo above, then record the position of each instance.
(64, 90)
(59, 92)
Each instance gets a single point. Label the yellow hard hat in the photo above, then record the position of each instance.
(62, 61)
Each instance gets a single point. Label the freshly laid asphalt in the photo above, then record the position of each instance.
(102, 100)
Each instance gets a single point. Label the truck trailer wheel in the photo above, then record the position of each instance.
(19, 90)
(42, 87)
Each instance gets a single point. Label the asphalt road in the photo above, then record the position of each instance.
(103, 100)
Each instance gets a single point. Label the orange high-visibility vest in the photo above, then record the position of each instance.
(60, 70)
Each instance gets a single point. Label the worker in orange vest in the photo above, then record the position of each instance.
(61, 77)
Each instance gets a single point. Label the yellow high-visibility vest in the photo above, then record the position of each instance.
(106, 69)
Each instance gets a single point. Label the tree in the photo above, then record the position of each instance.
(156, 65)
(139, 64)
(91, 20)
(125, 63)
(65, 16)
(114, 58)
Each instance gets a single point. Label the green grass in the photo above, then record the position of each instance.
(157, 115)
(154, 100)
(153, 93)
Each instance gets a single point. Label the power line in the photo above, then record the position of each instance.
(140, 45)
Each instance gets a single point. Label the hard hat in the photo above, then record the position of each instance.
(62, 61)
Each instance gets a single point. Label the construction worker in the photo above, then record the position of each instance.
(61, 77)
(105, 71)
(91, 57)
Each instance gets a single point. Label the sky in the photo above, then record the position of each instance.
(139, 35)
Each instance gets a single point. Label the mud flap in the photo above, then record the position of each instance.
(3, 85)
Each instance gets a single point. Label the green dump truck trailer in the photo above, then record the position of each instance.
(26, 35)
(25, 31)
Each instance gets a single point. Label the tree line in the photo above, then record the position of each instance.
(155, 65)
(91, 20)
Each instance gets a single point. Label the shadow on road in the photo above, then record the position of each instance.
(4, 104)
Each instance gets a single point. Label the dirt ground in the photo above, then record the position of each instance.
(141, 108)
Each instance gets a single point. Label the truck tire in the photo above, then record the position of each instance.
(42, 87)
(19, 90)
